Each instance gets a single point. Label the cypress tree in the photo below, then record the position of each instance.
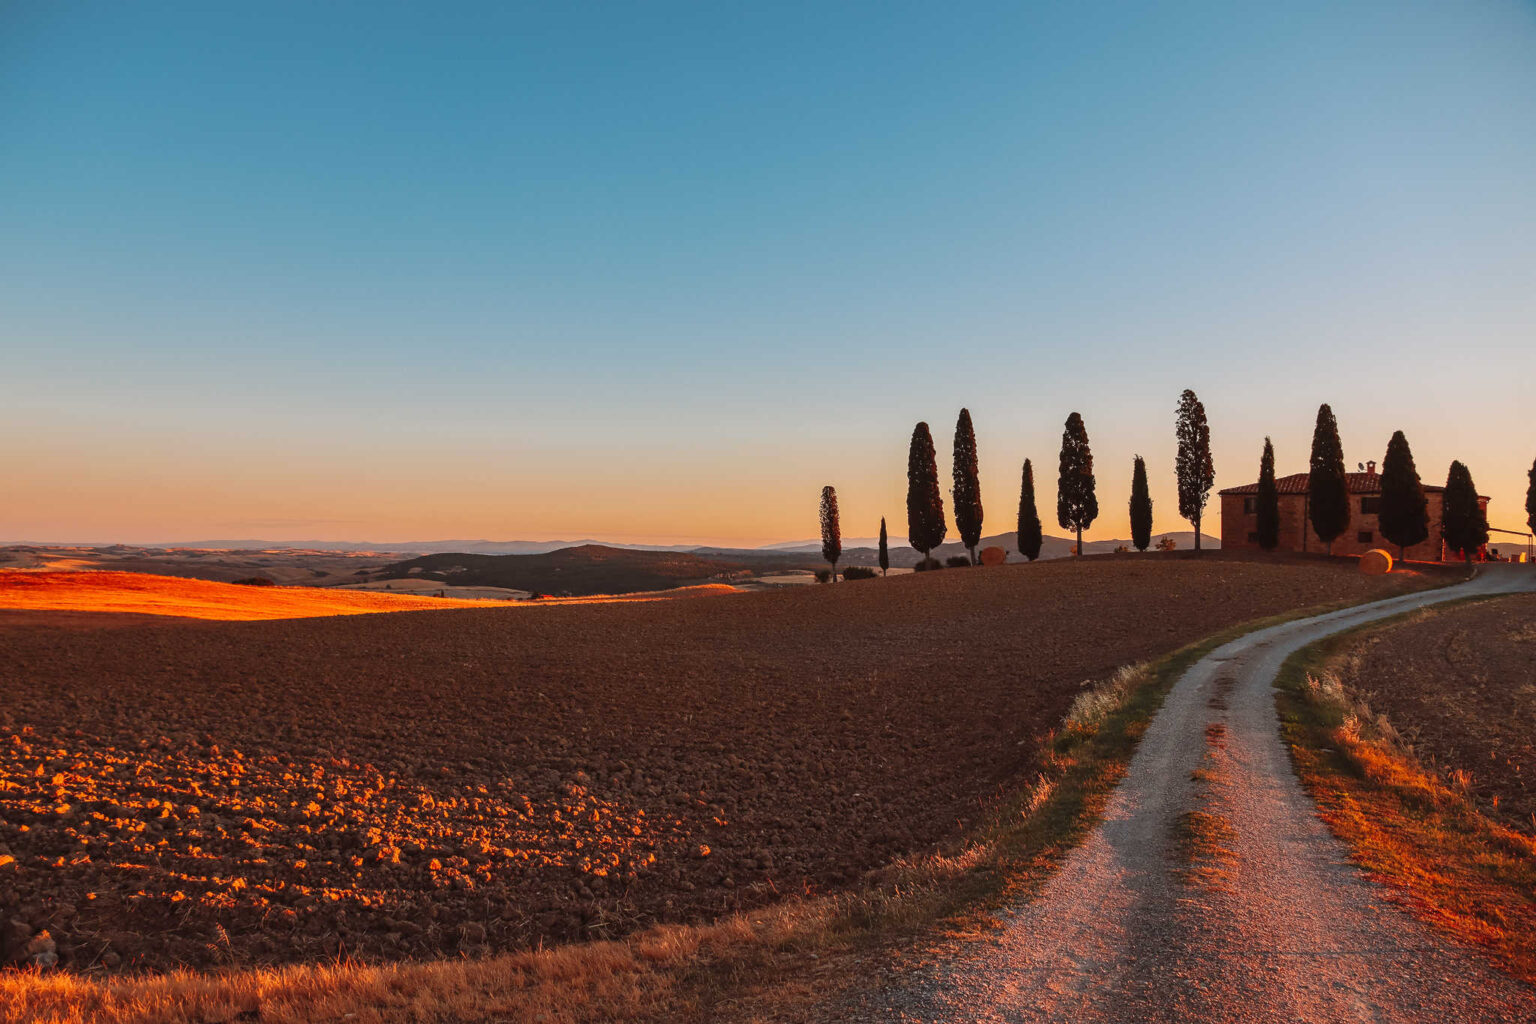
(925, 505)
(1404, 515)
(885, 553)
(1267, 504)
(1030, 535)
(1462, 519)
(1077, 506)
(967, 485)
(1530, 501)
(1327, 486)
(1141, 506)
(1196, 471)
(831, 529)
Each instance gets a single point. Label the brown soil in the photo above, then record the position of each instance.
(1460, 685)
(194, 792)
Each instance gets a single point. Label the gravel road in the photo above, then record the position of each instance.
(1279, 927)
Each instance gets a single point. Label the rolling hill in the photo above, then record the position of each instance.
(587, 569)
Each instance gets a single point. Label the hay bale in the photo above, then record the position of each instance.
(993, 556)
(1376, 562)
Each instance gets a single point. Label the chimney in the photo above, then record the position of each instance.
(1370, 468)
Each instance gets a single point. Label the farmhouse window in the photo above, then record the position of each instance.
(1250, 505)
(1365, 537)
(1371, 505)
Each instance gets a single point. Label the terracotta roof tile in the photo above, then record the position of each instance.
(1296, 483)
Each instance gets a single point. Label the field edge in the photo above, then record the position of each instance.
(1422, 839)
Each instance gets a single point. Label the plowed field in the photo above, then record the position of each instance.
(198, 792)
(1461, 683)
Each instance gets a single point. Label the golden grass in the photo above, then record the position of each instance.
(1469, 877)
(144, 594)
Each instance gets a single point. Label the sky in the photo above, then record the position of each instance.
(657, 273)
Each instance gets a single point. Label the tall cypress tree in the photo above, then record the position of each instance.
(1327, 485)
(1077, 506)
(1196, 471)
(925, 505)
(1141, 506)
(967, 485)
(1530, 501)
(1030, 534)
(885, 553)
(1462, 519)
(1404, 514)
(831, 529)
(1267, 504)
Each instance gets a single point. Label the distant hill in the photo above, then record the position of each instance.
(586, 569)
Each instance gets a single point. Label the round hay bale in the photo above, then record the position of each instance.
(1376, 562)
(993, 556)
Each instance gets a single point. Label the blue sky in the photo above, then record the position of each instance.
(658, 272)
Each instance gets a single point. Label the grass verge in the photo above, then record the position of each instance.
(1467, 876)
(782, 962)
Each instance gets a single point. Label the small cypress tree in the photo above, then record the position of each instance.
(1267, 504)
(1030, 534)
(1530, 501)
(1404, 515)
(1327, 485)
(1077, 505)
(1196, 471)
(1141, 506)
(925, 505)
(1463, 522)
(831, 529)
(967, 491)
(885, 553)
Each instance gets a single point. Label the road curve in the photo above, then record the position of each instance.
(1292, 932)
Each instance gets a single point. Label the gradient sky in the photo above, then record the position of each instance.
(658, 272)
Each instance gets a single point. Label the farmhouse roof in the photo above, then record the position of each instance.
(1296, 483)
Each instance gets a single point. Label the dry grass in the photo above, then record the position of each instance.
(1418, 833)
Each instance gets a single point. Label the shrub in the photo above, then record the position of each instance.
(928, 565)
(255, 581)
(957, 561)
(859, 572)
(1122, 550)
(823, 575)
(1167, 544)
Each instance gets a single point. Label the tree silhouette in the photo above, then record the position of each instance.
(1530, 500)
(1404, 513)
(925, 505)
(1463, 522)
(1327, 485)
(967, 485)
(1141, 506)
(1196, 471)
(885, 554)
(1267, 504)
(1076, 504)
(831, 529)
(1030, 534)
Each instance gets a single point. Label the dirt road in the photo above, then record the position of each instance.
(1272, 925)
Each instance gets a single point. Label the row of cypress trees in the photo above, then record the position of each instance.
(1077, 504)
(1403, 515)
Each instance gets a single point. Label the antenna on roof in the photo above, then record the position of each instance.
(1361, 465)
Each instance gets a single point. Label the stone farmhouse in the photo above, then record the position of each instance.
(1240, 522)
